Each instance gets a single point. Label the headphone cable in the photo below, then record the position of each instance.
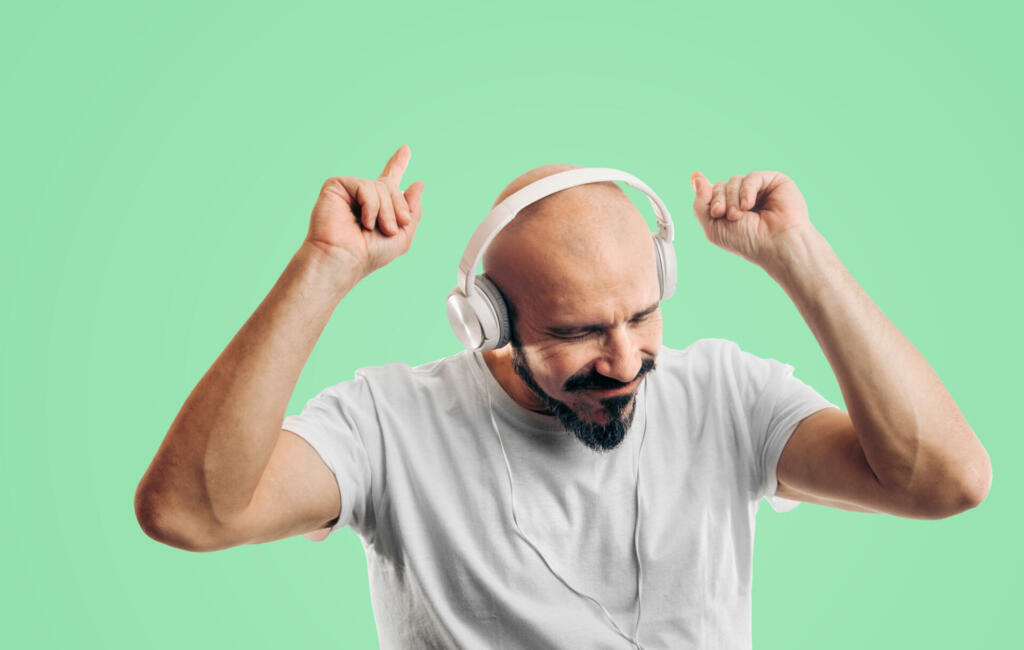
(636, 530)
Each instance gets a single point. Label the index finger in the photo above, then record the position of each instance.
(395, 166)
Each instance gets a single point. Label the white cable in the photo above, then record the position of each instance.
(636, 527)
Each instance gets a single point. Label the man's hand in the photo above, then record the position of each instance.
(752, 216)
(369, 222)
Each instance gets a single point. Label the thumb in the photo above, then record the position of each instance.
(702, 202)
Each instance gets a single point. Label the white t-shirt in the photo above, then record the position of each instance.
(423, 482)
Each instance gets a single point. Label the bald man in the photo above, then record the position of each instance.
(604, 268)
(496, 493)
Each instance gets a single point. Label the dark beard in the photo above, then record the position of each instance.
(598, 437)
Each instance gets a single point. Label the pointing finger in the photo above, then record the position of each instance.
(396, 165)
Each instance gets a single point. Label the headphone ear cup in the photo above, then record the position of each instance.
(665, 256)
(494, 298)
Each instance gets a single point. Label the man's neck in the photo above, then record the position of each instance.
(500, 364)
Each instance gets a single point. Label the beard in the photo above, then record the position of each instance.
(598, 437)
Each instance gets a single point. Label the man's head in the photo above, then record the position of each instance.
(578, 272)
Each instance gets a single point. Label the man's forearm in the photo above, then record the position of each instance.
(914, 436)
(218, 446)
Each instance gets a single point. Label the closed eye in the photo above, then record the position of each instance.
(586, 332)
(577, 337)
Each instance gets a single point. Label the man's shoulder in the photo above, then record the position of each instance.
(452, 367)
(704, 362)
(712, 349)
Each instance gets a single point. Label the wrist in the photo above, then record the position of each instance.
(795, 251)
(808, 270)
(334, 270)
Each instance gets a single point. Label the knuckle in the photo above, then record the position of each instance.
(331, 185)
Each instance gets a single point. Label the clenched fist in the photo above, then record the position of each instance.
(367, 222)
(753, 216)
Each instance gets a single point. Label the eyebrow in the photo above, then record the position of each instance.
(596, 327)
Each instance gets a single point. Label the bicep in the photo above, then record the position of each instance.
(824, 463)
(787, 492)
(297, 494)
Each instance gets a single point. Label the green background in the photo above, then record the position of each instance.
(160, 163)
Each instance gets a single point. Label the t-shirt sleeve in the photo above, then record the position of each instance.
(777, 403)
(338, 423)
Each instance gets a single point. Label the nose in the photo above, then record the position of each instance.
(620, 356)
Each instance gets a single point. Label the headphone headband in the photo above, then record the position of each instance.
(476, 308)
(504, 212)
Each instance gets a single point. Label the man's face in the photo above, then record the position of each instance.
(579, 270)
(586, 364)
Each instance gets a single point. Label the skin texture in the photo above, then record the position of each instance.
(583, 257)
(226, 473)
(580, 258)
(904, 447)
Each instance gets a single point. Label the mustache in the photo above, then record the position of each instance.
(595, 380)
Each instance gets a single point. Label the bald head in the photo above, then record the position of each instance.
(538, 173)
(571, 248)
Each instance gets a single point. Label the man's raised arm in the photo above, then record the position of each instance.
(198, 492)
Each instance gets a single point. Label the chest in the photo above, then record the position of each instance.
(490, 546)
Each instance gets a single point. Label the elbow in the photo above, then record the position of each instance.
(958, 495)
(978, 482)
(151, 514)
(156, 520)
(967, 500)
(955, 481)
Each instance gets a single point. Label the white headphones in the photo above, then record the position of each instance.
(476, 309)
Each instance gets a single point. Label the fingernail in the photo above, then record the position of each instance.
(693, 185)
